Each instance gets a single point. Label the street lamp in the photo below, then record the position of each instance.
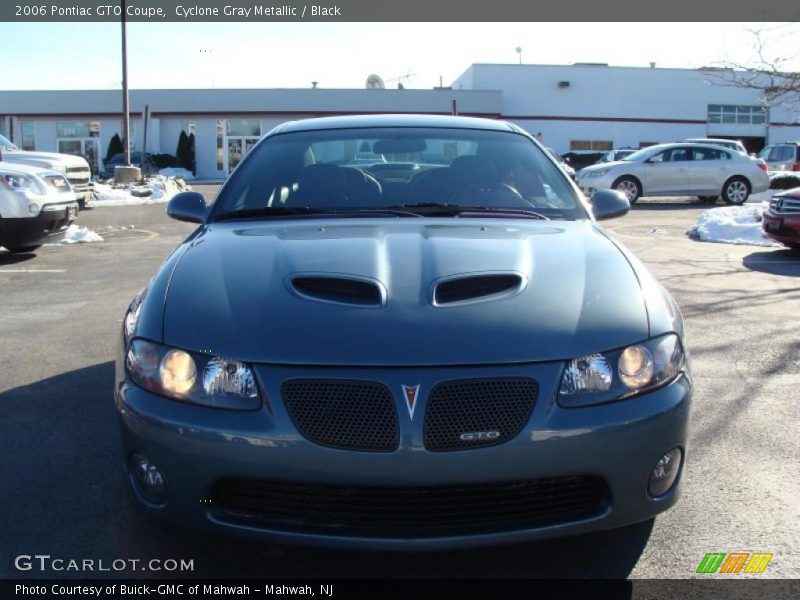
(126, 115)
(518, 50)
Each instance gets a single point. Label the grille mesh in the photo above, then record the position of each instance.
(463, 406)
(468, 288)
(339, 289)
(410, 511)
(343, 413)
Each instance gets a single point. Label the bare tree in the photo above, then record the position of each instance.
(768, 69)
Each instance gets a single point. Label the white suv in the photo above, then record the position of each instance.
(75, 168)
(35, 203)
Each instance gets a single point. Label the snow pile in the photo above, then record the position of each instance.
(155, 190)
(80, 235)
(177, 172)
(732, 225)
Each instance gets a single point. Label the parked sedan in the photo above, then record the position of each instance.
(35, 204)
(149, 165)
(680, 170)
(455, 355)
(781, 220)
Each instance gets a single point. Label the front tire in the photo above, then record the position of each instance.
(629, 186)
(736, 191)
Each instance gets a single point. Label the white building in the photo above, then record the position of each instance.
(575, 107)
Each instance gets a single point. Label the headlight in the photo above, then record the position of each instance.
(607, 376)
(20, 183)
(191, 377)
(132, 315)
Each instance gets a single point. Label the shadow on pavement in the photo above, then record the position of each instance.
(776, 262)
(15, 258)
(69, 499)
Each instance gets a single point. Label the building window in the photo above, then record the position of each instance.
(596, 145)
(28, 135)
(244, 127)
(730, 114)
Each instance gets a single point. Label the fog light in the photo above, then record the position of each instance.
(149, 480)
(664, 474)
(33, 208)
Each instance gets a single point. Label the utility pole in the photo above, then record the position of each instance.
(126, 115)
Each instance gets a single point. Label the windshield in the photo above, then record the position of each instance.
(419, 172)
(640, 155)
(6, 145)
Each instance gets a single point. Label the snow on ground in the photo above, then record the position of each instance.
(155, 190)
(177, 172)
(80, 235)
(761, 197)
(732, 225)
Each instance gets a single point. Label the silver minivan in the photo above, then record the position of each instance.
(782, 157)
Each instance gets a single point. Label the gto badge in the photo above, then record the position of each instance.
(479, 436)
(410, 393)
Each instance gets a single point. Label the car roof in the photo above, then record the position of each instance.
(394, 120)
(689, 144)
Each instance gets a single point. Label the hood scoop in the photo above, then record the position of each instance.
(472, 288)
(339, 289)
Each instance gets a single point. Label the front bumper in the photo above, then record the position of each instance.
(782, 228)
(29, 231)
(196, 447)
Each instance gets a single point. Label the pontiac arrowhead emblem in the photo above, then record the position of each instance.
(410, 393)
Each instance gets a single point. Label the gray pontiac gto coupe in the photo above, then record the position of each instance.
(439, 349)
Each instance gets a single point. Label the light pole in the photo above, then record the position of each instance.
(518, 50)
(126, 115)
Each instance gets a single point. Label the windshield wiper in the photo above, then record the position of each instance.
(266, 211)
(459, 210)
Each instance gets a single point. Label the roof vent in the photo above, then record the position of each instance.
(342, 290)
(463, 289)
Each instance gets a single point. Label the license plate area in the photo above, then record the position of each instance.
(72, 212)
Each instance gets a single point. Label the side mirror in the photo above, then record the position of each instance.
(188, 206)
(609, 204)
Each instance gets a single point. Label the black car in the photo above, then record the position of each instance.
(148, 168)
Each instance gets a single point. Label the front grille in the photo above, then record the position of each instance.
(785, 206)
(343, 413)
(471, 413)
(469, 288)
(339, 289)
(79, 177)
(409, 511)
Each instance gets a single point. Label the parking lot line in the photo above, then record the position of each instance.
(33, 270)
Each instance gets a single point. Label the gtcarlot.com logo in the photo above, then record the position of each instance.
(45, 562)
(735, 562)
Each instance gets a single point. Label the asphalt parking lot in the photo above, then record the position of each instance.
(61, 486)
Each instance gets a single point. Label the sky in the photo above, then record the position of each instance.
(342, 55)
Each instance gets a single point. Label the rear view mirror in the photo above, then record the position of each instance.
(399, 146)
(609, 204)
(188, 206)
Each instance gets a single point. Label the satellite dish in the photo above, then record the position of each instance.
(374, 82)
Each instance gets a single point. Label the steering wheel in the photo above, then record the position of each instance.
(493, 192)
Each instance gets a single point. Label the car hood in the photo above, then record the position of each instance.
(23, 169)
(45, 159)
(605, 165)
(230, 294)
